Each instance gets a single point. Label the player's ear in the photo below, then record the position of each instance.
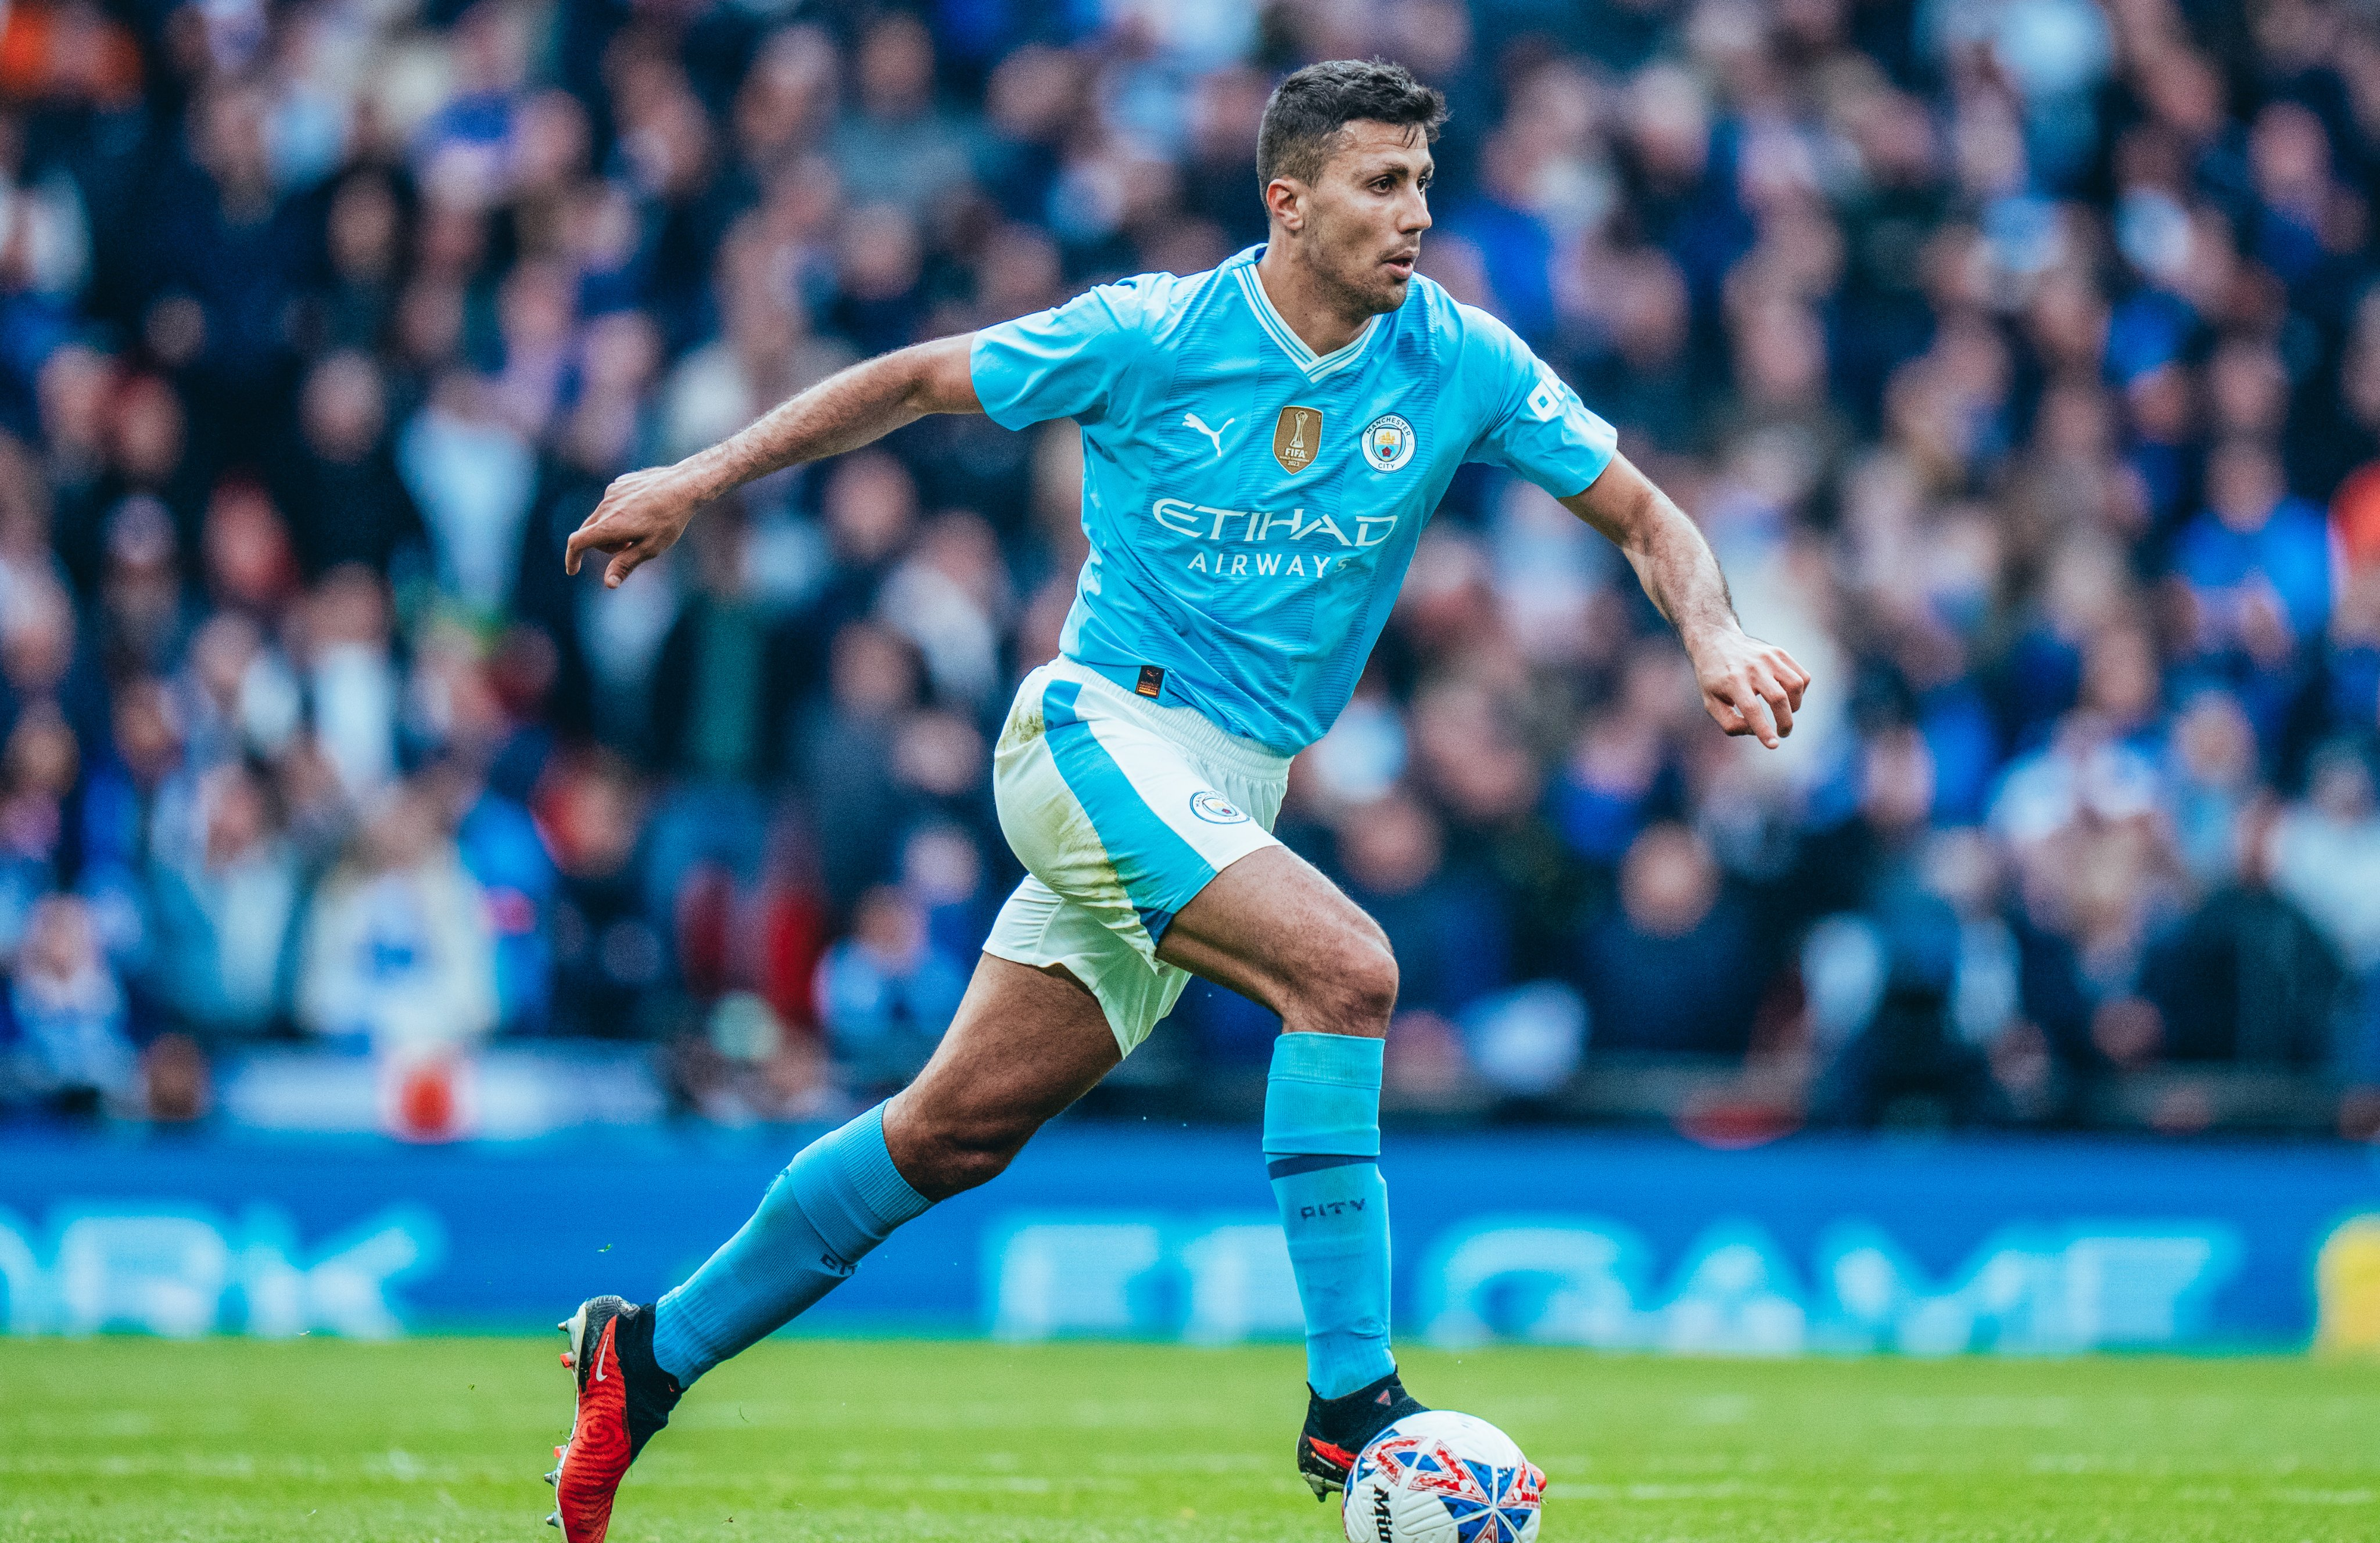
(1285, 201)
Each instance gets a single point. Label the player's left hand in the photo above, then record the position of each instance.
(642, 514)
(1749, 686)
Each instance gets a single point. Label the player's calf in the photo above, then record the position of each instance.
(1026, 1043)
(945, 1151)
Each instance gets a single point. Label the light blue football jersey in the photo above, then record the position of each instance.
(1252, 507)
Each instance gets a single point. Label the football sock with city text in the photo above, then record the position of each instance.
(835, 1201)
(1322, 1150)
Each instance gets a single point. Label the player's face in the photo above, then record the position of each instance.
(1366, 210)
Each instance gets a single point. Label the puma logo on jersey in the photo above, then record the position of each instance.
(1192, 421)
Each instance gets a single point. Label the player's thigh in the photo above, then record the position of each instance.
(1025, 1044)
(1113, 814)
(1272, 926)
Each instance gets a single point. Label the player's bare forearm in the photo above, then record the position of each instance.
(643, 513)
(1675, 564)
(850, 409)
(1749, 686)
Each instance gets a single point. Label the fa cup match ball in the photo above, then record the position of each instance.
(1442, 1478)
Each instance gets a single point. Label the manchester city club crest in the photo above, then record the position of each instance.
(1214, 808)
(1388, 442)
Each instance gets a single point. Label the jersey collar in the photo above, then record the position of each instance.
(1316, 366)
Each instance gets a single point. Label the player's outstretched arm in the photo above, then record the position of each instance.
(643, 513)
(1748, 687)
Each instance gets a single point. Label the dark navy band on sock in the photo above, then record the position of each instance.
(1281, 1167)
(1322, 1150)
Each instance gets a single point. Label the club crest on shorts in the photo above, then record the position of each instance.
(1297, 437)
(1214, 808)
(1388, 442)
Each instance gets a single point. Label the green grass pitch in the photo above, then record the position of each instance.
(442, 1441)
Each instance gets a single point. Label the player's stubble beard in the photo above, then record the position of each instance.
(1343, 244)
(1333, 260)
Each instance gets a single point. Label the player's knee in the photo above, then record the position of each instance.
(1372, 987)
(960, 1154)
(1353, 989)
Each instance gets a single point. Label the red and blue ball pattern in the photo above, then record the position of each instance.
(1444, 1477)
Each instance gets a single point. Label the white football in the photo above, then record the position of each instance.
(1442, 1478)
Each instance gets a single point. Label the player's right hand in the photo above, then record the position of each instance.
(642, 514)
(1749, 686)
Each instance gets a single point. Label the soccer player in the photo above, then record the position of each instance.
(1263, 445)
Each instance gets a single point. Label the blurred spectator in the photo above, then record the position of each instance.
(2257, 561)
(398, 949)
(472, 473)
(847, 747)
(739, 673)
(39, 768)
(942, 870)
(352, 682)
(2211, 780)
(144, 623)
(1527, 1041)
(886, 993)
(1671, 971)
(251, 565)
(951, 598)
(2246, 979)
(1446, 932)
(896, 143)
(2325, 854)
(1902, 979)
(226, 914)
(500, 848)
(607, 954)
(746, 1067)
(2326, 850)
(344, 477)
(363, 231)
(68, 1010)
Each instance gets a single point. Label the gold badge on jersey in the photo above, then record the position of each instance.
(1297, 438)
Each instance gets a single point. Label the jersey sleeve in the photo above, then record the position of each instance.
(1061, 363)
(1536, 424)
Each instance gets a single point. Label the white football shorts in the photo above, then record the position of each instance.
(1121, 811)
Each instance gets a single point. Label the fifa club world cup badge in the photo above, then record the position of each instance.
(1297, 438)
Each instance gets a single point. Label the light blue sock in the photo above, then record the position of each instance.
(837, 1200)
(1322, 1147)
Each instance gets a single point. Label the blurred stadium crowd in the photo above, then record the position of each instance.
(2020, 356)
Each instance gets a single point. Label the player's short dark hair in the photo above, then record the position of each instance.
(1312, 108)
